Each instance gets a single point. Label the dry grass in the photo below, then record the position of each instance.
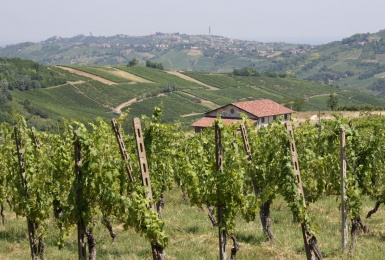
(124, 74)
(193, 237)
(88, 75)
(300, 117)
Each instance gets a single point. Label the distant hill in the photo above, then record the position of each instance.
(176, 51)
(355, 63)
(85, 92)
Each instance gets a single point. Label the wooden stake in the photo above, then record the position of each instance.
(157, 250)
(219, 164)
(310, 241)
(142, 159)
(122, 149)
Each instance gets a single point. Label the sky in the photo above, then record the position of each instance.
(297, 21)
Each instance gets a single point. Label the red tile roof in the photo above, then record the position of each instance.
(209, 121)
(258, 108)
(263, 107)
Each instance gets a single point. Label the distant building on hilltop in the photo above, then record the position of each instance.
(261, 112)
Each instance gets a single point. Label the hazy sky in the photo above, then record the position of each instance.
(300, 21)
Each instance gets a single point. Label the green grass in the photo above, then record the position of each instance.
(191, 235)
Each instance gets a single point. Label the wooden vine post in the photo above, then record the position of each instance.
(264, 212)
(344, 211)
(79, 200)
(122, 149)
(157, 250)
(219, 168)
(35, 252)
(310, 240)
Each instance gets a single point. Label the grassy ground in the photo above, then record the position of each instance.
(192, 236)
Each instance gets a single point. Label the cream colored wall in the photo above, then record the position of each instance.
(226, 112)
(269, 119)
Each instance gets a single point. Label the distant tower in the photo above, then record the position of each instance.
(209, 30)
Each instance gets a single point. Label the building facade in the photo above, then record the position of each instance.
(261, 113)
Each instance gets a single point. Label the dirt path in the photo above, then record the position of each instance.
(185, 77)
(204, 102)
(88, 75)
(82, 93)
(119, 108)
(69, 82)
(129, 76)
(319, 95)
(192, 114)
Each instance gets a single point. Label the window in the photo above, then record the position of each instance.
(274, 117)
(262, 120)
(232, 111)
(285, 116)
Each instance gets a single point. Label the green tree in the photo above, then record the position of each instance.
(298, 104)
(154, 65)
(333, 101)
(132, 63)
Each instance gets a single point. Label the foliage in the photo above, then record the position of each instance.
(298, 104)
(187, 160)
(132, 63)
(24, 75)
(333, 101)
(245, 72)
(154, 65)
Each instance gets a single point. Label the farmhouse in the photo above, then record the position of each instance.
(261, 112)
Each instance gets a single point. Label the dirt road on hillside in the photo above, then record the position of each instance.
(204, 102)
(88, 75)
(119, 108)
(69, 82)
(124, 74)
(185, 77)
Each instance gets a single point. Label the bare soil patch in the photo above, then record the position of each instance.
(192, 114)
(119, 108)
(88, 75)
(206, 103)
(194, 52)
(185, 77)
(129, 76)
(69, 82)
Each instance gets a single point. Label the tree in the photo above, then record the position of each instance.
(154, 65)
(298, 104)
(333, 101)
(133, 62)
